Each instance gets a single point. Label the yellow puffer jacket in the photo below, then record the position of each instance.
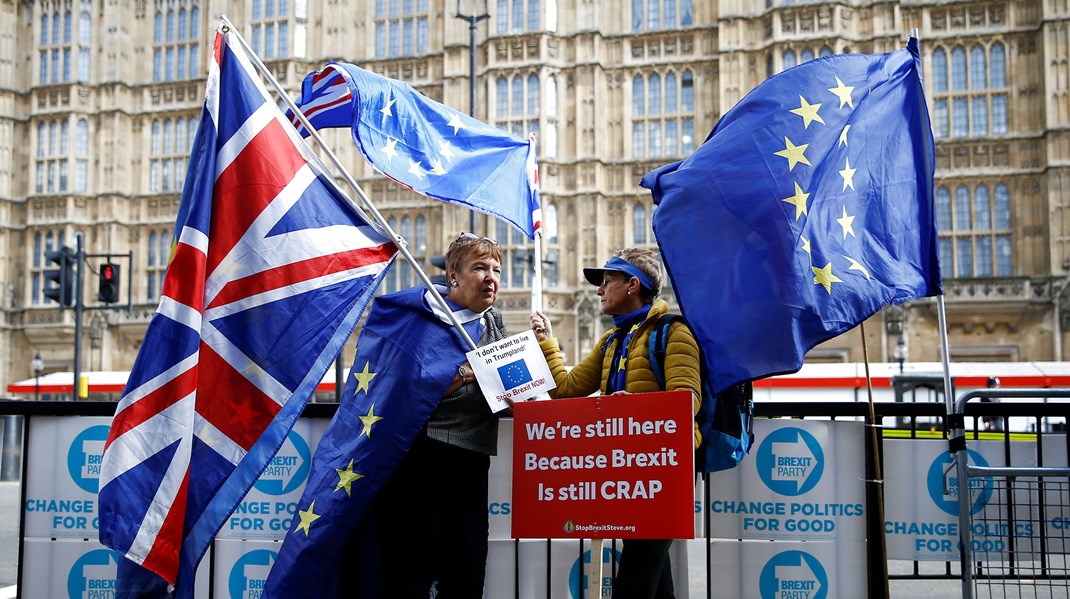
(591, 374)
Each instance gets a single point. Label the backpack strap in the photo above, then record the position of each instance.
(659, 340)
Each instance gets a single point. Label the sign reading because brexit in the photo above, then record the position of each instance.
(511, 370)
(803, 481)
(618, 466)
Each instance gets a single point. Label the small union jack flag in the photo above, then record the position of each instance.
(271, 268)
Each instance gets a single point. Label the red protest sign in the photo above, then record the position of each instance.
(609, 467)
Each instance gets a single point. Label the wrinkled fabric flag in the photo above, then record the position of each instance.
(427, 146)
(808, 209)
(271, 269)
(402, 369)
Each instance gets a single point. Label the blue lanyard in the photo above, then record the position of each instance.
(618, 368)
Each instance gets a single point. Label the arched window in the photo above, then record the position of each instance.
(654, 95)
(978, 69)
(533, 95)
(789, 59)
(982, 218)
(518, 97)
(807, 54)
(501, 100)
(963, 221)
(670, 93)
(943, 209)
(939, 70)
(638, 97)
(639, 226)
(958, 69)
(997, 66)
(550, 223)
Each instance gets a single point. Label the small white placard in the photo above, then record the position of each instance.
(512, 369)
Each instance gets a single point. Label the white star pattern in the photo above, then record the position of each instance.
(414, 168)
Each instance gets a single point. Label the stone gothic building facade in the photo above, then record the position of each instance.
(100, 100)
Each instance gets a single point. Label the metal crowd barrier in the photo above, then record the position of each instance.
(1014, 522)
(1022, 497)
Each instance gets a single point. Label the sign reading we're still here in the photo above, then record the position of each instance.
(618, 466)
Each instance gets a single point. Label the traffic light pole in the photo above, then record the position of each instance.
(79, 309)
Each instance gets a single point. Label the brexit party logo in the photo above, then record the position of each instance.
(514, 374)
(247, 577)
(93, 575)
(944, 484)
(84, 457)
(577, 575)
(288, 469)
(793, 574)
(790, 461)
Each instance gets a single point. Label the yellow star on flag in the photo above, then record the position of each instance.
(436, 167)
(794, 154)
(847, 223)
(843, 92)
(843, 136)
(364, 378)
(825, 278)
(805, 245)
(346, 478)
(848, 175)
(386, 109)
(856, 265)
(620, 365)
(799, 200)
(368, 421)
(307, 517)
(808, 112)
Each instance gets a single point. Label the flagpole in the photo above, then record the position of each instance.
(399, 241)
(955, 427)
(875, 484)
(536, 281)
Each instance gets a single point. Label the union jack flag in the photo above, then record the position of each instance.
(425, 145)
(271, 268)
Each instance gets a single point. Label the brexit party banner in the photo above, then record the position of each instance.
(64, 456)
(62, 556)
(617, 466)
(269, 507)
(786, 569)
(81, 569)
(922, 491)
(803, 480)
(511, 370)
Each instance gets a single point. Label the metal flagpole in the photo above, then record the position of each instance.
(402, 244)
(875, 488)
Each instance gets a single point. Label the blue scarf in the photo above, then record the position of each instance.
(627, 324)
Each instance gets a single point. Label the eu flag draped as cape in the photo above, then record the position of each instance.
(407, 355)
(426, 145)
(270, 271)
(808, 209)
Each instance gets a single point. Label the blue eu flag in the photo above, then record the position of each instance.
(808, 209)
(425, 145)
(514, 374)
(403, 366)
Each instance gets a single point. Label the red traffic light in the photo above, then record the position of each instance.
(107, 273)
